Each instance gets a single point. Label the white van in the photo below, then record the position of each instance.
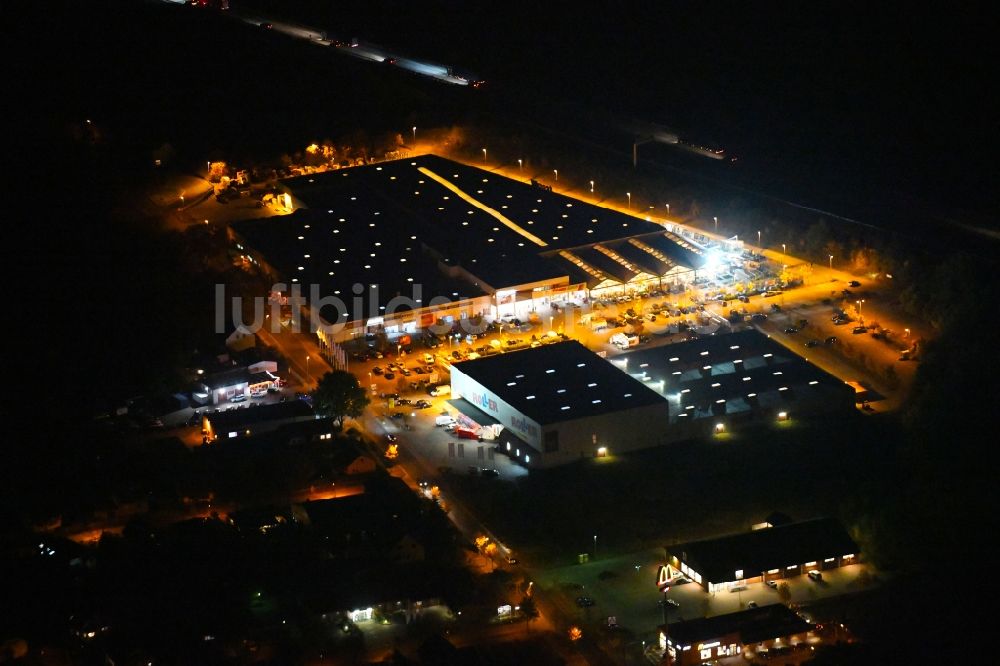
(444, 389)
(444, 420)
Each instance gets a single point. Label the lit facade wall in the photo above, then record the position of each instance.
(749, 577)
(567, 441)
(615, 432)
(472, 391)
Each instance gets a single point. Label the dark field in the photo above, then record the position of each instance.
(687, 490)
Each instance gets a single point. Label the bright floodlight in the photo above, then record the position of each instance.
(713, 261)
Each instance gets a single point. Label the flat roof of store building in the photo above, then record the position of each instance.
(558, 382)
(753, 625)
(757, 551)
(337, 251)
(744, 370)
(455, 229)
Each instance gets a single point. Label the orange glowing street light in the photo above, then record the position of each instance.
(484, 156)
(591, 187)
(629, 195)
(520, 165)
(414, 134)
(831, 261)
(556, 172)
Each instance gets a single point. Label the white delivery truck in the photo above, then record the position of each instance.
(444, 420)
(443, 389)
(623, 341)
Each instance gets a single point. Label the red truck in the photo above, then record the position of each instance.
(465, 433)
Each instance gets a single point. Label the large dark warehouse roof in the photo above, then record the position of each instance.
(428, 217)
(559, 382)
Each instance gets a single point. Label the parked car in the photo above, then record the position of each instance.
(584, 602)
(421, 404)
(751, 604)
(791, 329)
(490, 473)
(773, 584)
(428, 359)
(377, 370)
(832, 340)
(812, 343)
(854, 283)
(668, 602)
(815, 575)
(859, 330)
(389, 375)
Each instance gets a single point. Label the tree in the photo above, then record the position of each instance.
(784, 593)
(338, 395)
(528, 611)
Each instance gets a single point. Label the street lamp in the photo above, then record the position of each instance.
(668, 209)
(716, 224)
(556, 172)
(595, 546)
(906, 332)
(520, 165)
(783, 249)
(414, 134)
(591, 187)
(758, 238)
(307, 365)
(831, 261)
(629, 195)
(484, 156)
